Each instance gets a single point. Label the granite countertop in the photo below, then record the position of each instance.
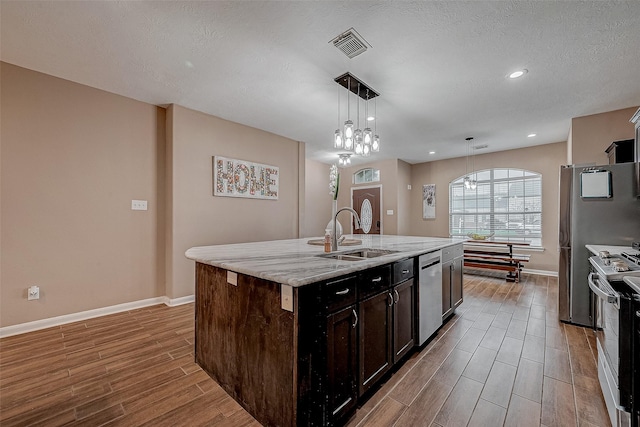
(295, 263)
(613, 250)
(633, 281)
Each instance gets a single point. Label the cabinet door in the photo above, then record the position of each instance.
(403, 319)
(342, 362)
(446, 288)
(456, 282)
(375, 338)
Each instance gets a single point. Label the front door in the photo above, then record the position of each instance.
(366, 202)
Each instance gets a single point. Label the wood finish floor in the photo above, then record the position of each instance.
(503, 359)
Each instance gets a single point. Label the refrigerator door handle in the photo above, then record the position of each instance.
(607, 297)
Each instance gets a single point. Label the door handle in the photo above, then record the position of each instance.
(405, 271)
(378, 223)
(355, 318)
(390, 299)
(397, 296)
(343, 292)
(377, 279)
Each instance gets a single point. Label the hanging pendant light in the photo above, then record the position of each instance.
(467, 179)
(337, 137)
(350, 137)
(367, 134)
(348, 125)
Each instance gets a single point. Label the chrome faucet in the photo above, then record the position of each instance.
(334, 238)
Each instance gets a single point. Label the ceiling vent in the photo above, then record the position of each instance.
(351, 43)
(480, 147)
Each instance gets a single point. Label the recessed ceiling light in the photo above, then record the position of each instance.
(531, 135)
(432, 152)
(370, 118)
(518, 73)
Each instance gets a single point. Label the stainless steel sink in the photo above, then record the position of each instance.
(370, 253)
(358, 255)
(343, 257)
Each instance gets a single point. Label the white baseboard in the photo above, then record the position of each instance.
(22, 328)
(540, 272)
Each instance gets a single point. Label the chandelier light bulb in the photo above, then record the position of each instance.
(348, 143)
(359, 148)
(366, 150)
(368, 136)
(348, 129)
(337, 139)
(375, 145)
(473, 184)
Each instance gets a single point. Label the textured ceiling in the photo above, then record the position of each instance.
(440, 67)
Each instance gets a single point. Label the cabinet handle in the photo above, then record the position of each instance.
(397, 296)
(377, 279)
(637, 313)
(390, 299)
(343, 292)
(405, 271)
(355, 318)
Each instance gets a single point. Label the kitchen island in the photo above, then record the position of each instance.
(297, 336)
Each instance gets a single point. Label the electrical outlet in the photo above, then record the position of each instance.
(138, 205)
(33, 292)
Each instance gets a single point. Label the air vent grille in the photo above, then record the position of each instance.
(351, 43)
(480, 147)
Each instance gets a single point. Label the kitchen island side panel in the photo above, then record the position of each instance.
(245, 342)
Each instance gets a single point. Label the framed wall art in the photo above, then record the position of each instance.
(429, 201)
(240, 178)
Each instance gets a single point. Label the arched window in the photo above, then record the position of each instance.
(507, 202)
(366, 175)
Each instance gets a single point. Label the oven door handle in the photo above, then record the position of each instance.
(607, 297)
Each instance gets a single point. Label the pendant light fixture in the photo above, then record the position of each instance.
(375, 145)
(470, 184)
(345, 159)
(337, 138)
(351, 138)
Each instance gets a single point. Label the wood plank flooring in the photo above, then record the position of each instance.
(503, 359)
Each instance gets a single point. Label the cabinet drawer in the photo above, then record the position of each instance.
(452, 252)
(374, 280)
(402, 270)
(340, 293)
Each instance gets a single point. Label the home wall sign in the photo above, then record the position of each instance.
(239, 178)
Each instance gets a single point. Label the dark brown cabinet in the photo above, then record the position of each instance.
(452, 263)
(404, 320)
(375, 332)
(375, 338)
(342, 361)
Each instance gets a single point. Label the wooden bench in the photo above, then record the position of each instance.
(495, 258)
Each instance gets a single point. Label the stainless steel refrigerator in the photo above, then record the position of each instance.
(597, 220)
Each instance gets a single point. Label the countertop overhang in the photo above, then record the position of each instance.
(294, 262)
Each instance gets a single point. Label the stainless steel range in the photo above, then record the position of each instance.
(614, 329)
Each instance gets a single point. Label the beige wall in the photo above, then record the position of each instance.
(73, 158)
(317, 199)
(196, 217)
(544, 159)
(404, 198)
(591, 135)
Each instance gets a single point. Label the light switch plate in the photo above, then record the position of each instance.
(409, 187)
(232, 278)
(286, 295)
(138, 205)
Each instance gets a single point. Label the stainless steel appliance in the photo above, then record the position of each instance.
(614, 331)
(634, 284)
(591, 220)
(429, 295)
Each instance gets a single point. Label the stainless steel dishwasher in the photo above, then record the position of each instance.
(429, 295)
